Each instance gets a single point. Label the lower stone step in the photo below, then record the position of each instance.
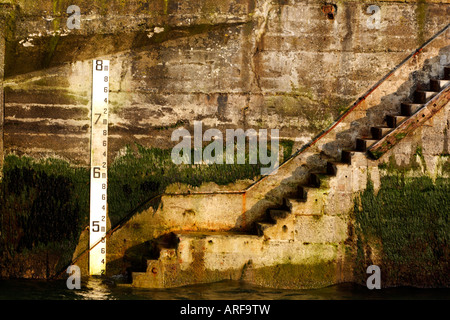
(353, 157)
(408, 109)
(380, 132)
(423, 96)
(314, 180)
(319, 180)
(314, 205)
(395, 121)
(332, 168)
(364, 144)
(437, 84)
(277, 214)
(261, 227)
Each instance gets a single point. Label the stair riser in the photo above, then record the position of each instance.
(408, 110)
(301, 194)
(314, 205)
(314, 180)
(423, 96)
(378, 133)
(395, 121)
(278, 214)
(391, 122)
(438, 85)
(447, 73)
(346, 157)
(331, 169)
(363, 145)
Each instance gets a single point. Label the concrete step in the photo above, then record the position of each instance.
(364, 144)
(447, 73)
(423, 96)
(282, 230)
(193, 235)
(319, 179)
(332, 168)
(351, 157)
(395, 121)
(277, 214)
(314, 180)
(314, 204)
(261, 227)
(408, 109)
(301, 194)
(380, 132)
(437, 84)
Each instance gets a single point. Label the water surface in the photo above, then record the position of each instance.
(98, 289)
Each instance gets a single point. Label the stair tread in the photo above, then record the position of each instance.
(427, 91)
(409, 108)
(212, 233)
(336, 162)
(412, 103)
(279, 214)
(339, 163)
(318, 172)
(436, 79)
(279, 211)
(439, 84)
(397, 116)
(381, 127)
(362, 144)
(352, 151)
(307, 189)
(266, 224)
(379, 132)
(394, 120)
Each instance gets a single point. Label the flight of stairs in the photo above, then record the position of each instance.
(310, 196)
(304, 217)
(407, 110)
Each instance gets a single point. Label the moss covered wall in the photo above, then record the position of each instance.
(404, 229)
(44, 204)
(402, 220)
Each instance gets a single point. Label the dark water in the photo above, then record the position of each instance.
(98, 289)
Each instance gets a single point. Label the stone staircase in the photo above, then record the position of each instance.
(312, 215)
(425, 103)
(309, 198)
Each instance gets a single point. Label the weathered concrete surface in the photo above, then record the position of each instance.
(322, 224)
(201, 258)
(237, 64)
(322, 250)
(241, 64)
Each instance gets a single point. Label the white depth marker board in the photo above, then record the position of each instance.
(99, 178)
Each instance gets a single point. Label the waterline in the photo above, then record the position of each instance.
(99, 289)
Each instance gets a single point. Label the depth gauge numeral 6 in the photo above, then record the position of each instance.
(96, 172)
